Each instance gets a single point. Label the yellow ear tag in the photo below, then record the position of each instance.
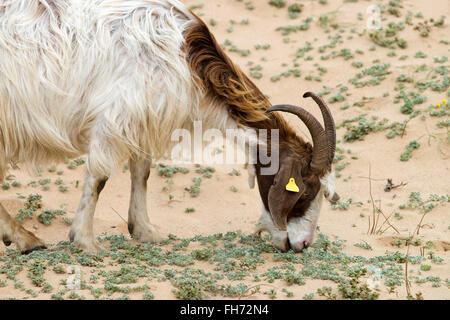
(291, 186)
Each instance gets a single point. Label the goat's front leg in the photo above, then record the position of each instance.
(82, 231)
(12, 232)
(138, 222)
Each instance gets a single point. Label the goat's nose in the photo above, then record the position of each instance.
(6, 241)
(299, 246)
(335, 198)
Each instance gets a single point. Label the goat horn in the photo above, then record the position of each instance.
(321, 150)
(330, 127)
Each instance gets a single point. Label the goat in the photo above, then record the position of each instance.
(114, 79)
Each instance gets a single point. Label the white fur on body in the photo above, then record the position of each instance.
(108, 78)
(104, 77)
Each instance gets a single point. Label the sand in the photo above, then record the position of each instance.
(218, 209)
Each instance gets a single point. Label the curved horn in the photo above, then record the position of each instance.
(330, 127)
(321, 149)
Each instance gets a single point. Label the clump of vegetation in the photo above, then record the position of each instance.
(405, 156)
(410, 101)
(363, 245)
(278, 3)
(424, 28)
(194, 190)
(167, 171)
(47, 216)
(286, 30)
(376, 74)
(295, 9)
(76, 163)
(396, 129)
(415, 202)
(233, 256)
(388, 37)
(359, 127)
(234, 172)
(394, 7)
(286, 74)
(32, 204)
(354, 289)
(205, 171)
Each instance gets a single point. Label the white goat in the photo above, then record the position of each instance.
(114, 79)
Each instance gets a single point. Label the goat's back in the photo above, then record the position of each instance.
(105, 77)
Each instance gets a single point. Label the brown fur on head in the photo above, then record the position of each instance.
(221, 79)
(272, 188)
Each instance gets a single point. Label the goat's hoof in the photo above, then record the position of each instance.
(6, 241)
(146, 233)
(26, 242)
(89, 246)
(37, 248)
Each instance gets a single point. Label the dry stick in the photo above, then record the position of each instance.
(390, 226)
(420, 223)
(119, 215)
(387, 220)
(390, 186)
(376, 217)
(371, 178)
(372, 230)
(404, 128)
(407, 284)
(385, 230)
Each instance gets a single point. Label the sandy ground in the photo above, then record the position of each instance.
(218, 209)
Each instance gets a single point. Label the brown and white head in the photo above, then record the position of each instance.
(292, 197)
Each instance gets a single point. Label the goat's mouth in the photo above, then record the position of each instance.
(334, 199)
(285, 244)
(298, 248)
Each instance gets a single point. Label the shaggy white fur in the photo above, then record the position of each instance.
(104, 77)
(109, 78)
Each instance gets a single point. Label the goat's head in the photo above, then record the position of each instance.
(294, 194)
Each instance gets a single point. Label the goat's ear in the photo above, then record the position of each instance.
(280, 200)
